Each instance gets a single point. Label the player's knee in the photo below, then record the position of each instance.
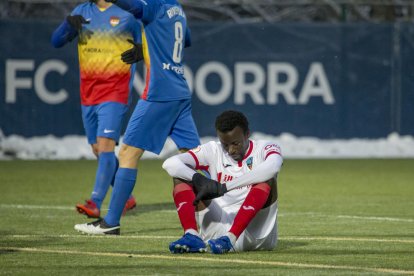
(181, 187)
(169, 166)
(95, 150)
(264, 186)
(105, 145)
(129, 156)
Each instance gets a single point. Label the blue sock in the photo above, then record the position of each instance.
(113, 179)
(107, 165)
(124, 184)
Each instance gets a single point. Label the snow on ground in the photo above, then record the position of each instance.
(76, 147)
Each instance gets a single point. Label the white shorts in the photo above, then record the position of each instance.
(261, 233)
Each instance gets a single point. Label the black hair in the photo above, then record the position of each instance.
(230, 119)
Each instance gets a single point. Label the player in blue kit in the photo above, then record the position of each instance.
(165, 107)
(103, 31)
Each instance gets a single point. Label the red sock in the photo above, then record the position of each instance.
(183, 197)
(254, 201)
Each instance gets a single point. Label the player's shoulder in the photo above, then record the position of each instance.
(209, 147)
(212, 144)
(121, 12)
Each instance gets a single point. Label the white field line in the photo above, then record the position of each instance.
(313, 214)
(143, 237)
(281, 214)
(213, 260)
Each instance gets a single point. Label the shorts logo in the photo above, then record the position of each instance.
(114, 21)
(108, 130)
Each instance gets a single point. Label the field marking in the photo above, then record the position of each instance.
(281, 214)
(214, 260)
(23, 206)
(305, 238)
(313, 214)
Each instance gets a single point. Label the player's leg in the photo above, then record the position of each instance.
(190, 242)
(185, 136)
(147, 129)
(109, 117)
(90, 124)
(254, 202)
(184, 132)
(261, 233)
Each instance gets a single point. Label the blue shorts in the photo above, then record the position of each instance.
(103, 120)
(152, 122)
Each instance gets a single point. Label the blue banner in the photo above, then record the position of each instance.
(319, 80)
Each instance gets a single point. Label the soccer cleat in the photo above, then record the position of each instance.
(89, 209)
(129, 205)
(99, 227)
(188, 243)
(221, 245)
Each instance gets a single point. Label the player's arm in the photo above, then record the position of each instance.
(208, 189)
(63, 34)
(68, 30)
(263, 172)
(180, 166)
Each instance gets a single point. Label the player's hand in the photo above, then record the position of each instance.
(134, 54)
(206, 188)
(84, 36)
(76, 21)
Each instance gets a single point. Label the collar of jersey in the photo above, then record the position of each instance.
(248, 152)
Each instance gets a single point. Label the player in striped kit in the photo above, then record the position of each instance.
(164, 108)
(237, 208)
(103, 31)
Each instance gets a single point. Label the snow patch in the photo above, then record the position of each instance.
(76, 147)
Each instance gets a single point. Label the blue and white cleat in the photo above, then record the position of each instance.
(189, 243)
(221, 245)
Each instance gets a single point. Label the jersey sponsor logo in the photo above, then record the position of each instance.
(247, 208)
(177, 69)
(114, 21)
(88, 50)
(181, 205)
(249, 163)
(272, 146)
(227, 178)
(226, 165)
(108, 130)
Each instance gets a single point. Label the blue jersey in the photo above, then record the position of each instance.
(164, 36)
(103, 75)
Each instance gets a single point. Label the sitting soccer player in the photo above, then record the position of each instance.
(237, 208)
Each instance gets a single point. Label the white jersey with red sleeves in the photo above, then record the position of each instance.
(212, 158)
